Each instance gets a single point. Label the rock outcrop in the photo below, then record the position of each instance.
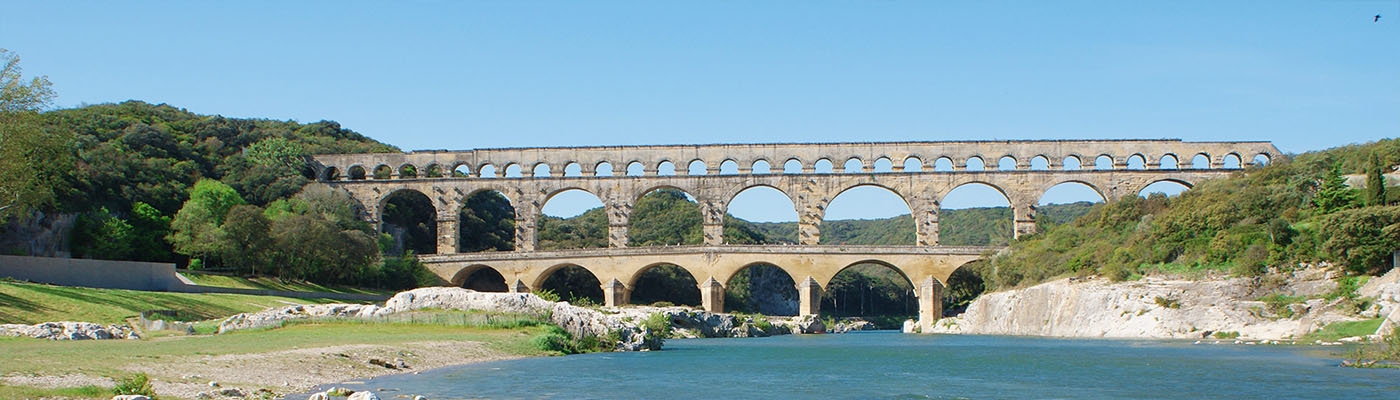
(68, 331)
(1154, 308)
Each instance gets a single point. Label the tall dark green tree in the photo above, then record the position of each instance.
(1375, 181)
(1334, 194)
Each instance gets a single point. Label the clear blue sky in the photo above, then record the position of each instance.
(1306, 75)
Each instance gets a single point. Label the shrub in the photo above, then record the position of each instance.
(547, 294)
(137, 384)
(1167, 302)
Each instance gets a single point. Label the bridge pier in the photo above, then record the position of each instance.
(519, 287)
(447, 234)
(615, 294)
(930, 303)
(809, 297)
(1024, 219)
(712, 296)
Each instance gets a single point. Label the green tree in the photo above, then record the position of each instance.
(487, 223)
(1333, 194)
(1363, 238)
(1375, 181)
(246, 230)
(33, 160)
(196, 230)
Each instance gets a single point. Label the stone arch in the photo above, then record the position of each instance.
(665, 168)
(636, 168)
(486, 220)
(356, 173)
(1072, 162)
(1137, 162)
(1184, 183)
(882, 165)
(572, 282)
(1040, 163)
(868, 199)
(963, 285)
(1200, 161)
(761, 166)
(514, 170)
(1232, 161)
(913, 164)
(603, 169)
(1261, 159)
(1069, 188)
(481, 278)
(757, 287)
(729, 167)
(974, 194)
(944, 164)
(411, 221)
(823, 166)
(873, 287)
(663, 281)
(330, 174)
(461, 170)
(433, 170)
(1103, 162)
(1006, 163)
(541, 170)
(573, 169)
(383, 172)
(975, 163)
(644, 231)
(853, 165)
(563, 230)
(408, 171)
(488, 170)
(1169, 161)
(697, 167)
(741, 205)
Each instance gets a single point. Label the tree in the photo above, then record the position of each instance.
(32, 161)
(246, 231)
(197, 230)
(1364, 238)
(1334, 194)
(1375, 181)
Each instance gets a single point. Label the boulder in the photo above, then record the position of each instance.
(130, 397)
(363, 395)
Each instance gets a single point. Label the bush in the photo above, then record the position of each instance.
(547, 294)
(1166, 302)
(137, 384)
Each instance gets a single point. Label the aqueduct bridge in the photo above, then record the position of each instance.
(810, 175)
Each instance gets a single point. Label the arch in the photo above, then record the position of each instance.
(1261, 159)
(486, 222)
(1200, 161)
(513, 171)
(488, 171)
(1006, 163)
(867, 201)
(461, 171)
(433, 170)
(762, 204)
(571, 218)
(603, 169)
(410, 218)
(1137, 162)
(1169, 161)
(823, 166)
(1040, 163)
(870, 288)
(383, 172)
(792, 166)
(541, 170)
(1167, 186)
(853, 165)
(573, 170)
(761, 167)
(882, 164)
(573, 283)
(330, 174)
(970, 206)
(1103, 162)
(913, 164)
(964, 285)
(763, 288)
(636, 168)
(943, 164)
(975, 163)
(666, 168)
(665, 216)
(729, 167)
(481, 278)
(356, 173)
(1232, 161)
(697, 167)
(1072, 192)
(1072, 163)
(408, 171)
(664, 282)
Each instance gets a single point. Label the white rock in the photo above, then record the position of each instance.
(130, 397)
(364, 395)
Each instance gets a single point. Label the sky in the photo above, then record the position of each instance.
(1306, 75)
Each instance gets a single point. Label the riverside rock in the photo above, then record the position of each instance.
(364, 395)
(68, 330)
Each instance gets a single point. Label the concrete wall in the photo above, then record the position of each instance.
(92, 273)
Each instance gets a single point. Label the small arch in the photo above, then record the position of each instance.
(636, 169)
(761, 288)
(480, 278)
(792, 166)
(573, 170)
(1103, 162)
(883, 164)
(1168, 161)
(913, 164)
(541, 170)
(729, 167)
(853, 166)
(761, 167)
(383, 172)
(1137, 162)
(330, 174)
(665, 282)
(1261, 160)
(975, 163)
(603, 169)
(513, 171)
(697, 167)
(943, 164)
(461, 171)
(433, 171)
(666, 168)
(1232, 161)
(573, 283)
(1200, 161)
(408, 171)
(1040, 163)
(1006, 163)
(488, 171)
(357, 173)
(1072, 163)
(823, 166)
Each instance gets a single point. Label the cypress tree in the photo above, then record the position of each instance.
(1375, 182)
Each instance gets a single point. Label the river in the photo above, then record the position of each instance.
(902, 366)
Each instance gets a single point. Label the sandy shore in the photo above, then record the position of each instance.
(281, 372)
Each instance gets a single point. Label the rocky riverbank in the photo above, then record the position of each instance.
(68, 330)
(1282, 306)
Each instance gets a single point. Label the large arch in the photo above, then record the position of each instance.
(871, 288)
(408, 216)
(664, 282)
(1066, 201)
(1168, 186)
(964, 285)
(976, 213)
(665, 216)
(486, 222)
(481, 278)
(572, 283)
(761, 288)
(866, 202)
(572, 218)
(760, 205)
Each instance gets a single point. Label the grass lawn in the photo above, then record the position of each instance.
(28, 303)
(265, 283)
(1338, 330)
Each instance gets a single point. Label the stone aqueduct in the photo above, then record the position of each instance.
(920, 173)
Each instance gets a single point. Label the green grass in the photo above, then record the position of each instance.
(265, 283)
(85, 392)
(27, 303)
(1344, 329)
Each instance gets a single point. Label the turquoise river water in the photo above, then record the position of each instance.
(901, 366)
